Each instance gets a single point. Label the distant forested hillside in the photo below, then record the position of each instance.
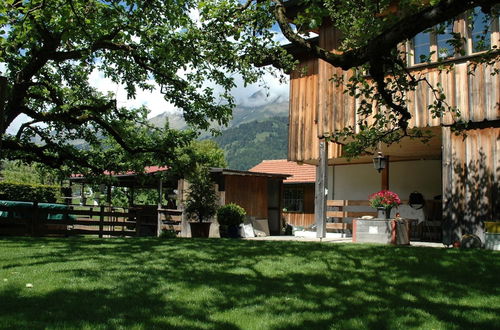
(248, 144)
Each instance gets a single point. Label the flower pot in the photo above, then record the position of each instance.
(233, 231)
(380, 231)
(230, 231)
(200, 229)
(383, 213)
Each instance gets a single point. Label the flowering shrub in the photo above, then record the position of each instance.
(385, 199)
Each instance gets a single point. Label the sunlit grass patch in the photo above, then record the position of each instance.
(236, 284)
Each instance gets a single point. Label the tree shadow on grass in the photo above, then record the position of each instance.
(232, 284)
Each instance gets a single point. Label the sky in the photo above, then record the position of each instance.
(156, 103)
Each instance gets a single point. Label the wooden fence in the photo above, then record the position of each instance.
(336, 209)
(340, 212)
(299, 219)
(103, 221)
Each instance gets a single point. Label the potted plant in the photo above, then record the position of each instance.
(230, 216)
(384, 201)
(201, 201)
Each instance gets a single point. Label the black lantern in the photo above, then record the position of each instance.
(379, 162)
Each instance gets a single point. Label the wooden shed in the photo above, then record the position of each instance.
(260, 194)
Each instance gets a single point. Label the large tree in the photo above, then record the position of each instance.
(51, 47)
(48, 50)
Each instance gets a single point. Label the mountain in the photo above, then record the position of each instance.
(257, 106)
(258, 130)
(248, 144)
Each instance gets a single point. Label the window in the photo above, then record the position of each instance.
(480, 31)
(421, 47)
(444, 39)
(442, 42)
(293, 199)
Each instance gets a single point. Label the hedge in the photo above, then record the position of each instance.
(29, 192)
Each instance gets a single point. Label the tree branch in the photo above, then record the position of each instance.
(34, 153)
(381, 45)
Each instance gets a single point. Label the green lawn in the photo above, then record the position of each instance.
(236, 284)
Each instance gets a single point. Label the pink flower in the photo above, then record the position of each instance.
(384, 198)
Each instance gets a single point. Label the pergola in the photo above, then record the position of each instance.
(154, 177)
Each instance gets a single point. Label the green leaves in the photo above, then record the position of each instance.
(51, 48)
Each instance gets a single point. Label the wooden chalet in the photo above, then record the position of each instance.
(461, 173)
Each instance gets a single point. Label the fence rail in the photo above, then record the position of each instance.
(33, 220)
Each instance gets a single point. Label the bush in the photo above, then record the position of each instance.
(201, 202)
(168, 233)
(28, 192)
(231, 215)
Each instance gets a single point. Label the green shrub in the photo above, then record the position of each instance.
(168, 233)
(230, 215)
(201, 202)
(28, 192)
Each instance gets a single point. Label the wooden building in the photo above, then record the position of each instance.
(464, 171)
(258, 193)
(298, 189)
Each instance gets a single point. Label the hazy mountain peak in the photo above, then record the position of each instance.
(257, 106)
(261, 98)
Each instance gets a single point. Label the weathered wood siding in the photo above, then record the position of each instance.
(299, 219)
(471, 190)
(319, 107)
(248, 192)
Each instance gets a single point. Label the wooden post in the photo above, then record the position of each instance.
(83, 200)
(108, 193)
(385, 175)
(3, 96)
(69, 199)
(34, 218)
(159, 222)
(101, 221)
(131, 197)
(320, 193)
(138, 222)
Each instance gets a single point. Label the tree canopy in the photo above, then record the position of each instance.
(50, 48)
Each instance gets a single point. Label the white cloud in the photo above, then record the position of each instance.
(156, 103)
(153, 100)
(16, 123)
(271, 86)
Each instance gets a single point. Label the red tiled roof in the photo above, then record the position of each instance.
(300, 173)
(147, 170)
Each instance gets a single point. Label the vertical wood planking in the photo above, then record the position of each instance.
(318, 107)
(253, 198)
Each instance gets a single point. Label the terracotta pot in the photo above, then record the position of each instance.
(200, 229)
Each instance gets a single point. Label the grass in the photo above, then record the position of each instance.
(235, 284)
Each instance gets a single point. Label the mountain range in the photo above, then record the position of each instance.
(257, 131)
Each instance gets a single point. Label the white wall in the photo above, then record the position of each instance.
(357, 181)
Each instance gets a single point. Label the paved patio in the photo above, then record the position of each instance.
(333, 240)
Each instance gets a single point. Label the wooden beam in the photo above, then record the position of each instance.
(385, 176)
(3, 97)
(320, 193)
(158, 212)
(108, 195)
